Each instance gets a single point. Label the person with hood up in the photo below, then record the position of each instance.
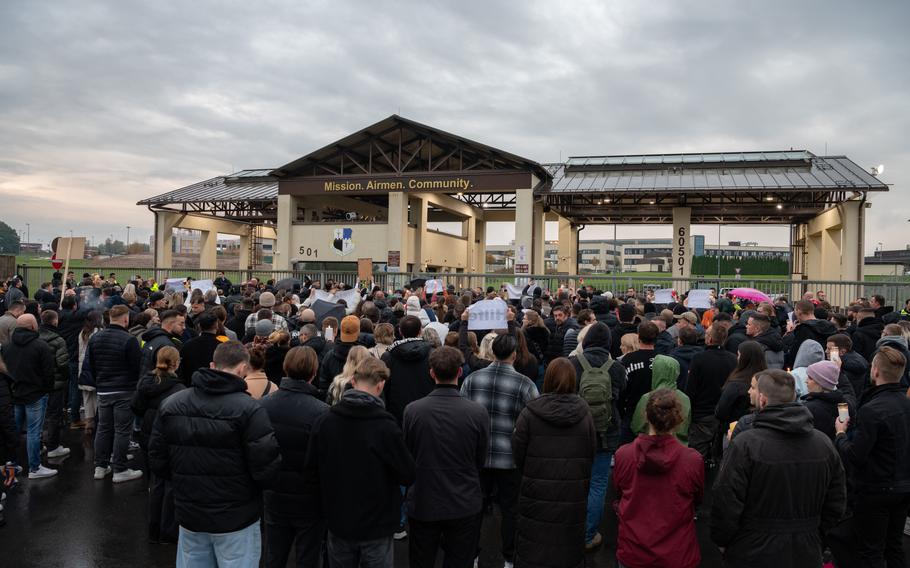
(337, 354)
(781, 485)
(664, 373)
(413, 309)
(892, 337)
(807, 327)
(737, 332)
(823, 396)
(852, 364)
(553, 445)
(408, 361)
(627, 324)
(685, 351)
(656, 476)
(809, 352)
(760, 330)
(151, 391)
(30, 362)
(309, 337)
(596, 355)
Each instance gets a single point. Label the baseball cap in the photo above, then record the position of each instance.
(350, 329)
(264, 328)
(688, 316)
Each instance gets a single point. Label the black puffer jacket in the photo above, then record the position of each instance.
(195, 354)
(553, 445)
(332, 365)
(113, 360)
(540, 336)
(216, 444)
(408, 361)
(61, 355)
(749, 518)
(152, 341)
(292, 410)
(150, 393)
(736, 336)
(823, 406)
(70, 324)
(814, 329)
(558, 338)
(866, 334)
(879, 455)
(857, 370)
(773, 345)
(30, 362)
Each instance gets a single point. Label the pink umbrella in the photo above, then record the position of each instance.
(749, 294)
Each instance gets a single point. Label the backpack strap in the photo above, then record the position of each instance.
(585, 366)
(268, 388)
(606, 366)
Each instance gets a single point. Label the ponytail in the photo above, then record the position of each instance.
(166, 359)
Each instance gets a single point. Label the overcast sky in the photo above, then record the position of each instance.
(105, 103)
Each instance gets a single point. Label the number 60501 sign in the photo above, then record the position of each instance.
(681, 250)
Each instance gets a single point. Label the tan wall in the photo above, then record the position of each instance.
(445, 250)
(884, 269)
(369, 242)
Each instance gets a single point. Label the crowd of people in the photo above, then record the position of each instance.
(390, 416)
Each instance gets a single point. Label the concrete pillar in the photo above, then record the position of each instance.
(419, 216)
(567, 253)
(681, 256)
(287, 213)
(480, 244)
(852, 240)
(537, 262)
(524, 230)
(243, 262)
(397, 236)
(208, 249)
(164, 229)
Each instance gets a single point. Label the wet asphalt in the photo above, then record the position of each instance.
(73, 521)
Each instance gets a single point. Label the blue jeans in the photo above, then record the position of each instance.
(597, 492)
(238, 549)
(33, 415)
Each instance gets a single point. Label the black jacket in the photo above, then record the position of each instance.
(736, 336)
(61, 355)
(216, 445)
(408, 361)
(152, 341)
(601, 308)
(823, 406)
(817, 330)
(274, 362)
(195, 354)
(113, 360)
(358, 436)
(866, 334)
(538, 335)
(237, 324)
(292, 410)
(553, 445)
(781, 452)
(708, 371)
(30, 362)
(558, 339)
(664, 343)
(332, 365)
(879, 454)
(733, 403)
(69, 326)
(149, 395)
(319, 345)
(616, 337)
(597, 357)
(857, 370)
(684, 354)
(448, 435)
(773, 345)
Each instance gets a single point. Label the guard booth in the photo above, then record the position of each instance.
(376, 193)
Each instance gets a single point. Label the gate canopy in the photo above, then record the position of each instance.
(786, 187)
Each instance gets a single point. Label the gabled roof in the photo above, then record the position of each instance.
(399, 145)
(245, 185)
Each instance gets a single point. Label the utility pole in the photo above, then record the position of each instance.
(127, 239)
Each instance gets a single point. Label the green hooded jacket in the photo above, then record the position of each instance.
(664, 372)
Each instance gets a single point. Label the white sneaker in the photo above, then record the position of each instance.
(507, 564)
(42, 472)
(127, 475)
(102, 472)
(400, 535)
(58, 452)
(907, 527)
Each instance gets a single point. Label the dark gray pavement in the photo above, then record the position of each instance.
(73, 521)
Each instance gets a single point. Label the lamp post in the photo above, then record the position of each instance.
(28, 233)
(127, 239)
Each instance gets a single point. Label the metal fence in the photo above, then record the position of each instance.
(839, 293)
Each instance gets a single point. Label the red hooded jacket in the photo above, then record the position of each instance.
(658, 482)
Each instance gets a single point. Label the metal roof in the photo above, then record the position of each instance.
(245, 185)
(683, 173)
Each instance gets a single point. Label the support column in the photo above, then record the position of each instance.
(208, 249)
(537, 261)
(419, 209)
(243, 261)
(524, 230)
(480, 250)
(567, 254)
(164, 229)
(681, 256)
(397, 236)
(287, 212)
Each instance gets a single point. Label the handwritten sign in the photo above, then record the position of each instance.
(663, 296)
(433, 286)
(699, 299)
(488, 314)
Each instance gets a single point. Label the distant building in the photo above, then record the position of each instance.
(633, 255)
(31, 248)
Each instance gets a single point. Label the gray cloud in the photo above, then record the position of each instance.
(104, 103)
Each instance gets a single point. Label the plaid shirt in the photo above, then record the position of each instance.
(278, 321)
(504, 392)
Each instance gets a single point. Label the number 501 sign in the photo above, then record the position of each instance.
(681, 254)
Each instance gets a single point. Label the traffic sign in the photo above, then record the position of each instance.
(56, 262)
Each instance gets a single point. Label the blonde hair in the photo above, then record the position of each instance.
(166, 361)
(628, 343)
(356, 355)
(486, 347)
(280, 337)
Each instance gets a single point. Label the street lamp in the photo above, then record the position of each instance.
(28, 233)
(127, 239)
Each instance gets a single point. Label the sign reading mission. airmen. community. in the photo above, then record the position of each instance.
(479, 182)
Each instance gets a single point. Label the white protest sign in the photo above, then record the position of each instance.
(203, 286)
(488, 314)
(324, 296)
(176, 284)
(700, 299)
(514, 291)
(350, 297)
(433, 286)
(663, 296)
